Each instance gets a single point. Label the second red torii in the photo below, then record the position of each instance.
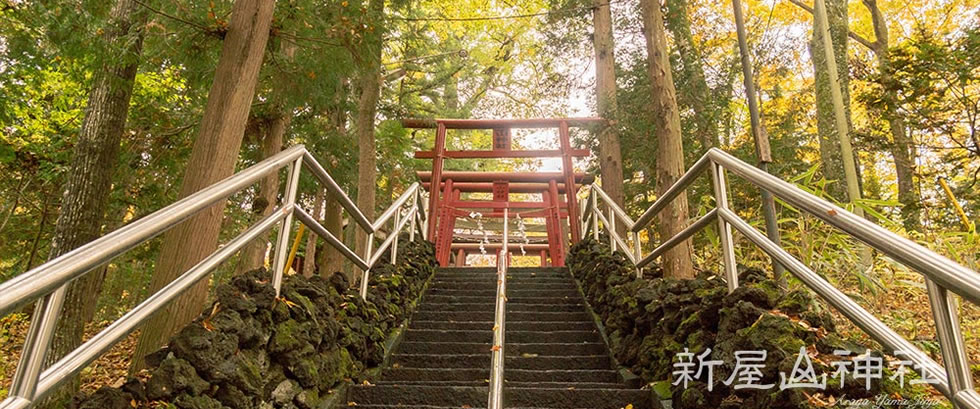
(445, 204)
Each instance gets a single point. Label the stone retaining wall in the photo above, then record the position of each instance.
(649, 321)
(252, 350)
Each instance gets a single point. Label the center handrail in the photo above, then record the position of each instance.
(496, 391)
(49, 281)
(941, 274)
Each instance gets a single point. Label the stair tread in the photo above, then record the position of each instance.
(555, 356)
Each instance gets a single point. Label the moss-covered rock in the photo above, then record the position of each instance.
(650, 320)
(251, 349)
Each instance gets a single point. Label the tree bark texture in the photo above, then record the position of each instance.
(367, 107)
(676, 262)
(309, 257)
(610, 155)
(89, 184)
(253, 255)
(901, 146)
(331, 261)
(213, 158)
(698, 95)
(827, 135)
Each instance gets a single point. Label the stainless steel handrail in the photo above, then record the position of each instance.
(941, 274)
(495, 399)
(48, 282)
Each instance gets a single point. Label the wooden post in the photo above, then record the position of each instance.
(544, 258)
(571, 189)
(762, 150)
(439, 150)
(460, 258)
(555, 235)
(445, 213)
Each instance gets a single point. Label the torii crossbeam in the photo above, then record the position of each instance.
(558, 189)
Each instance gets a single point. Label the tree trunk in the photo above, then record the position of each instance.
(367, 107)
(838, 87)
(89, 182)
(610, 155)
(309, 257)
(331, 261)
(901, 146)
(697, 96)
(828, 137)
(273, 132)
(676, 262)
(36, 244)
(213, 158)
(253, 255)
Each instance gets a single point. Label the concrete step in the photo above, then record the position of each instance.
(511, 292)
(453, 375)
(487, 315)
(549, 349)
(511, 362)
(512, 284)
(511, 325)
(511, 270)
(469, 299)
(512, 384)
(475, 396)
(511, 307)
(524, 337)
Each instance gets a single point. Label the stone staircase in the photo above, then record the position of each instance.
(555, 356)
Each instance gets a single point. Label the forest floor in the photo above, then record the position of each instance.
(902, 305)
(110, 369)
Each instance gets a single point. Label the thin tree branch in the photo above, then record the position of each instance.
(854, 36)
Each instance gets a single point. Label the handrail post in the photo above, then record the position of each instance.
(637, 253)
(368, 248)
(611, 227)
(37, 344)
(595, 218)
(396, 232)
(950, 339)
(292, 183)
(413, 213)
(495, 399)
(724, 229)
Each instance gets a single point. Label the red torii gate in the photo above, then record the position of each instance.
(445, 205)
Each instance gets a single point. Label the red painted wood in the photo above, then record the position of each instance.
(440, 147)
(499, 213)
(501, 191)
(484, 187)
(581, 153)
(443, 239)
(569, 171)
(486, 204)
(460, 258)
(490, 177)
(501, 139)
(414, 123)
(470, 247)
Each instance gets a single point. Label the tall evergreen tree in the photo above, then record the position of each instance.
(610, 156)
(677, 262)
(901, 145)
(367, 109)
(94, 159)
(212, 158)
(697, 97)
(827, 134)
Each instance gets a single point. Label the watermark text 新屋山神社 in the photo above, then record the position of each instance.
(749, 366)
